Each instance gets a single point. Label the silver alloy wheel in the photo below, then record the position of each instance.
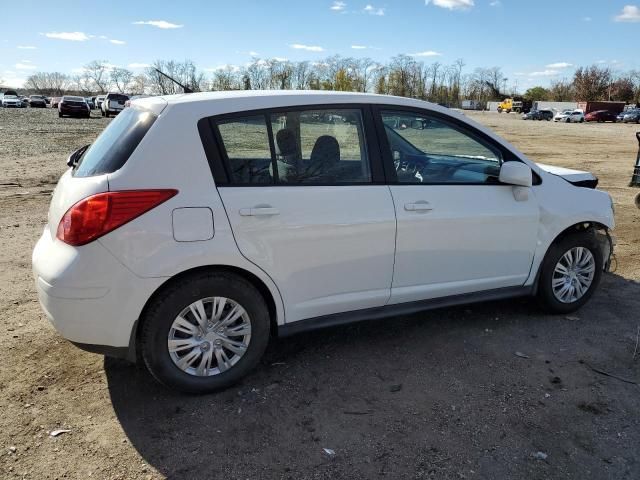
(573, 275)
(209, 336)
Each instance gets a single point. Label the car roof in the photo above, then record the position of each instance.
(222, 102)
(285, 96)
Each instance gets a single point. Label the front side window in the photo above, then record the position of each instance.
(324, 146)
(432, 151)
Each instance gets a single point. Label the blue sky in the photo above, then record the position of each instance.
(534, 41)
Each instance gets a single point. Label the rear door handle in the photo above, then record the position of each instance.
(259, 212)
(420, 206)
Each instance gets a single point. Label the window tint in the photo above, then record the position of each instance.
(115, 144)
(246, 143)
(320, 146)
(324, 146)
(429, 150)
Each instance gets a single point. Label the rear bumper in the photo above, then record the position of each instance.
(89, 297)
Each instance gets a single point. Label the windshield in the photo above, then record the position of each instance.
(116, 143)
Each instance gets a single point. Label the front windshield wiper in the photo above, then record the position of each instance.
(74, 158)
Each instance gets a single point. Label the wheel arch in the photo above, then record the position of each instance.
(583, 226)
(257, 282)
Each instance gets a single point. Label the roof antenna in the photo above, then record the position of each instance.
(186, 89)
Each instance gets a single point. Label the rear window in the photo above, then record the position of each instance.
(116, 143)
(116, 97)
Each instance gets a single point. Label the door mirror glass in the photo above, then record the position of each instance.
(516, 173)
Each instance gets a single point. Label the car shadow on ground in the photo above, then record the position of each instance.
(480, 388)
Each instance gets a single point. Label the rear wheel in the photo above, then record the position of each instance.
(59, 115)
(205, 333)
(570, 273)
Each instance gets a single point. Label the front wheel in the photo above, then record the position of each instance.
(205, 333)
(570, 273)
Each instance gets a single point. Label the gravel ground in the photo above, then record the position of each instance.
(487, 391)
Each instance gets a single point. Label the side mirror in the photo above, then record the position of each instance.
(516, 173)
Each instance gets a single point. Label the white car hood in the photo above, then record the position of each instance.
(567, 173)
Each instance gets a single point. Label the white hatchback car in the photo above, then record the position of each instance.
(570, 116)
(198, 225)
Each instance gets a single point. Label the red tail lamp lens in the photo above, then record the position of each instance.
(99, 214)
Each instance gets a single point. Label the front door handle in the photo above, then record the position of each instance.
(259, 212)
(420, 206)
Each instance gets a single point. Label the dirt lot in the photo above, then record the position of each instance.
(437, 395)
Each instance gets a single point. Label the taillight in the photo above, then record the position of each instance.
(99, 214)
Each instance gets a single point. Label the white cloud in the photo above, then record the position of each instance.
(630, 13)
(158, 23)
(495, 3)
(308, 48)
(586, 19)
(358, 47)
(226, 67)
(452, 4)
(26, 47)
(338, 6)
(253, 54)
(25, 66)
(281, 59)
(545, 73)
(559, 65)
(71, 36)
(138, 65)
(426, 53)
(371, 10)
(118, 42)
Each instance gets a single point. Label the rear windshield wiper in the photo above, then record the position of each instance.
(74, 158)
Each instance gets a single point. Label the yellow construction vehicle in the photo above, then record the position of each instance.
(514, 105)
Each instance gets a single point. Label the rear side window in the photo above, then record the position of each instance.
(323, 146)
(116, 143)
(246, 143)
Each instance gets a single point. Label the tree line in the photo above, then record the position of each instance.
(402, 75)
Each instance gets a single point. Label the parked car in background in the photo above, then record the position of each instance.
(600, 116)
(25, 101)
(538, 115)
(620, 116)
(37, 101)
(90, 102)
(129, 264)
(11, 101)
(99, 100)
(113, 104)
(47, 100)
(574, 116)
(632, 116)
(73, 107)
(55, 101)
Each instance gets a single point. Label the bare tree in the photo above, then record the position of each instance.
(121, 78)
(49, 83)
(138, 85)
(98, 72)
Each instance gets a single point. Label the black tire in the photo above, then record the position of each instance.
(106, 113)
(59, 115)
(163, 310)
(546, 297)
